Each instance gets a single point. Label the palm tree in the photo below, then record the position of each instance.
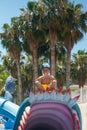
(60, 74)
(27, 74)
(3, 76)
(74, 25)
(50, 23)
(12, 42)
(10, 64)
(31, 33)
(79, 69)
(60, 64)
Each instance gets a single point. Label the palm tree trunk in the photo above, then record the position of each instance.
(35, 66)
(20, 97)
(53, 59)
(81, 94)
(53, 40)
(68, 68)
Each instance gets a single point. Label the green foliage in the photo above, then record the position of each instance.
(2, 92)
(79, 67)
(31, 5)
(3, 76)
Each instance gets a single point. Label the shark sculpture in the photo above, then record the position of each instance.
(49, 111)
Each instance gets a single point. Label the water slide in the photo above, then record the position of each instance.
(8, 112)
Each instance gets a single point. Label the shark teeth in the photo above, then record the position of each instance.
(53, 96)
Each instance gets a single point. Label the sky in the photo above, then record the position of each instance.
(81, 45)
(11, 8)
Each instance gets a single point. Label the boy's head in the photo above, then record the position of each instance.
(46, 68)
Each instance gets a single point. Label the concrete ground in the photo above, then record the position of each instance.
(83, 108)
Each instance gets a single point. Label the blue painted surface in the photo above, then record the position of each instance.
(8, 111)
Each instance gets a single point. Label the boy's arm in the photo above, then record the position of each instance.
(38, 83)
(53, 83)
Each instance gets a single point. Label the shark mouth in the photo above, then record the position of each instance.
(53, 111)
(52, 116)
